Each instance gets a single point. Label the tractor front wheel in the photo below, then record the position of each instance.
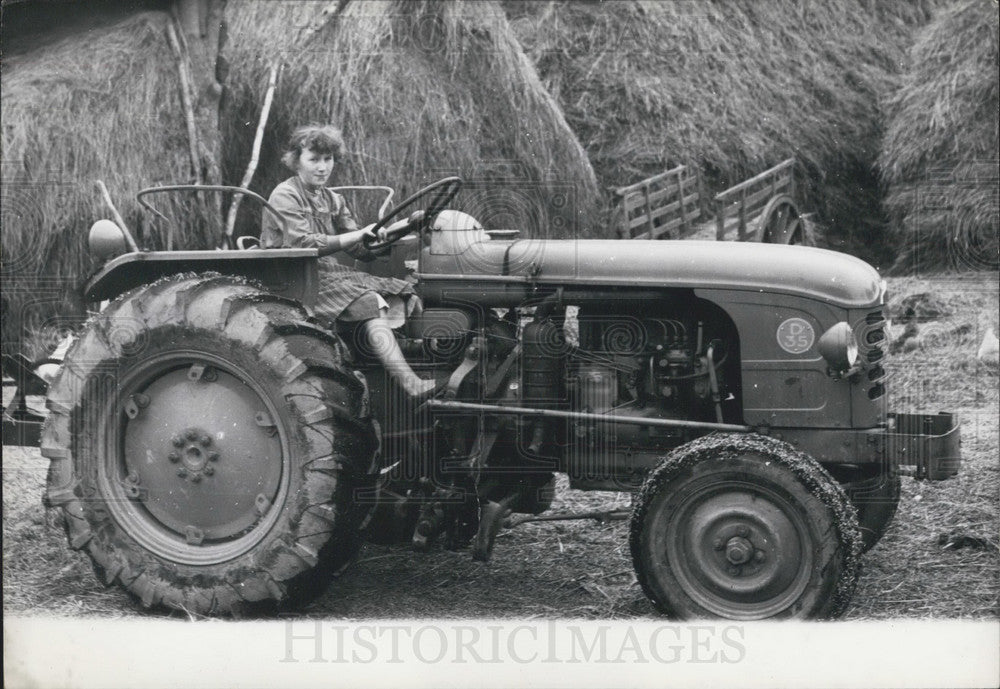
(744, 528)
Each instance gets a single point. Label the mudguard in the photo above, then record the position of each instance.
(290, 273)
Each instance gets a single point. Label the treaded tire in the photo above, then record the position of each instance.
(744, 527)
(304, 454)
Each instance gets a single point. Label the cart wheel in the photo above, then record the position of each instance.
(781, 223)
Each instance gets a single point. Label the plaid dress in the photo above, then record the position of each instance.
(310, 218)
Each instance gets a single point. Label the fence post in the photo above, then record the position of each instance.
(702, 201)
(619, 216)
(680, 199)
(649, 210)
(743, 215)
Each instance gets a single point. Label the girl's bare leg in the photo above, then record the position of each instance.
(382, 341)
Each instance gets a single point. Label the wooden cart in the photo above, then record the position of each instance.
(673, 205)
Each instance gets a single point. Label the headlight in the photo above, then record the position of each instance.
(852, 351)
(838, 347)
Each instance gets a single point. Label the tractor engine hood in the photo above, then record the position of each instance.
(471, 255)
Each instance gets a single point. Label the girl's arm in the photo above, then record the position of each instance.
(298, 230)
(346, 226)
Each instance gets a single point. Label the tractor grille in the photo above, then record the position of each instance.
(872, 347)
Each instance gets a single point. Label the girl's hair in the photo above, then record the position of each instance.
(321, 139)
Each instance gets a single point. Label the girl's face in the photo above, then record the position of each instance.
(315, 168)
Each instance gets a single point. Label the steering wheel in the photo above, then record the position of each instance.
(446, 189)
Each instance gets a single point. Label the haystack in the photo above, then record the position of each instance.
(731, 87)
(422, 90)
(939, 156)
(78, 106)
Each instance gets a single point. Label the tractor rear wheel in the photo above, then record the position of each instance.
(744, 527)
(206, 445)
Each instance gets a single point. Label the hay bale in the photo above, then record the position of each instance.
(939, 154)
(82, 105)
(732, 87)
(422, 90)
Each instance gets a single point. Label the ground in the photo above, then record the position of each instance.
(939, 558)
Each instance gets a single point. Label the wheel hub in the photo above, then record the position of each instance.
(203, 458)
(739, 552)
(195, 453)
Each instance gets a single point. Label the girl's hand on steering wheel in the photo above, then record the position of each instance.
(350, 239)
(391, 232)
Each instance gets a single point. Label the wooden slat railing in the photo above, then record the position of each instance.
(666, 205)
(747, 199)
(673, 204)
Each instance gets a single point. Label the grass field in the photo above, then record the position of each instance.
(939, 558)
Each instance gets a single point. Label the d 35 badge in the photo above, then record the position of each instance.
(796, 335)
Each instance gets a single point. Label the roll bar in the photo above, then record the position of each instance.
(207, 187)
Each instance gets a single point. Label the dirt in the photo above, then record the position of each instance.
(939, 558)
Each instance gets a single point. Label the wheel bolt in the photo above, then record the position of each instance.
(733, 570)
(196, 478)
(209, 470)
(759, 556)
(182, 472)
(178, 441)
(213, 456)
(174, 457)
(743, 531)
(718, 544)
(206, 441)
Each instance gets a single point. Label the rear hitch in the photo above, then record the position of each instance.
(22, 424)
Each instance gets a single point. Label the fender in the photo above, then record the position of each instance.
(290, 273)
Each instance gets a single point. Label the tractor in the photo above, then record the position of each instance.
(214, 445)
